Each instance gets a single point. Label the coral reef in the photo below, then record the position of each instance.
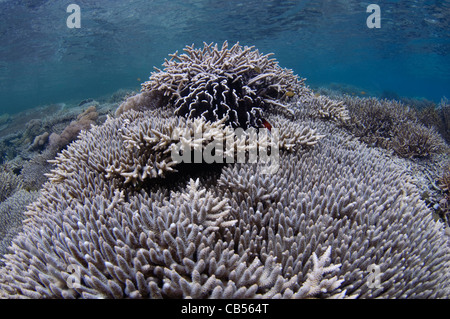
(416, 133)
(320, 106)
(9, 183)
(437, 117)
(141, 145)
(392, 125)
(232, 233)
(25, 151)
(11, 216)
(83, 122)
(33, 171)
(236, 83)
(48, 129)
(35, 136)
(141, 102)
(416, 140)
(373, 120)
(444, 180)
(13, 200)
(444, 115)
(128, 211)
(444, 184)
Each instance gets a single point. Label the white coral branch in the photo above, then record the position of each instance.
(315, 283)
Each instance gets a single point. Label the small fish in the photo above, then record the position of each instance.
(257, 69)
(363, 93)
(266, 124)
(316, 94)
(290, 93)
(139, 79)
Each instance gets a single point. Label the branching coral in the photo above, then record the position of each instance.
(141, 146)
(415, 140)
(108, 226)
(11, 216)
(444, 184)
(9, 183)
(236, 83)
(323, 107)
(443, 110)
(444, 180)
(314, 285)
(244, 235)
(392, 125)
(33, 171)
(373, 121)
(13, 200)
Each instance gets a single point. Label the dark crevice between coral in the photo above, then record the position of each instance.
(220, 98)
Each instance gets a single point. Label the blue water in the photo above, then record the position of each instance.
(42, 61)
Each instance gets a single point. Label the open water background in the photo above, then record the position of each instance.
(42, 61)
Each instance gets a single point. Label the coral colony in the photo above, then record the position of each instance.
(173, 198)
(236, 83)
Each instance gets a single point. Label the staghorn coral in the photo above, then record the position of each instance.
(14, 166)
(13, 199)
(437, 117)
(141, 146)
(391, 125)
(236, 83)
(347, 188)
(33, 172)
(122, 217)
(373, 120)
(320, 106)
(444, 180)
(429, 116)
(416, 140)
(242, 234)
